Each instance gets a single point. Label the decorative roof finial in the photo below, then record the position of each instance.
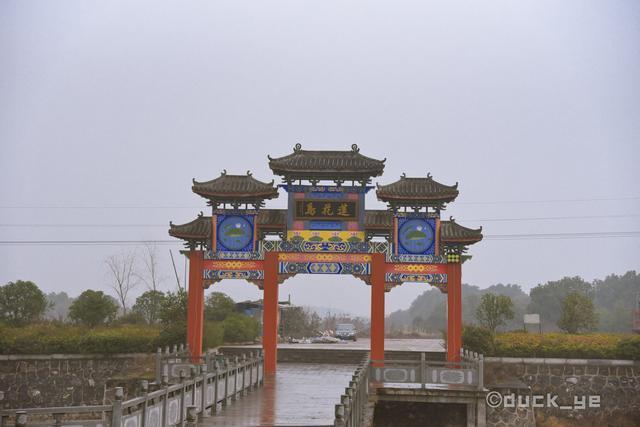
(452, 219)
(403, 176)
(201, 214)
(193, 180)
(224, 172)
(297, 148)
(248, 173)
(456, 186)
(354, 148)
(428, 175)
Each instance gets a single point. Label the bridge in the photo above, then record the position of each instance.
(341, 386)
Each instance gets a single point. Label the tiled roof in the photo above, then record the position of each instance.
(198, 229)
(417, 190)
(235, 187)
(272, 218)
(329, 165)
(378, 219)
(452, 232)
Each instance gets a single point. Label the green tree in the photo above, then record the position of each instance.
(148, 305)
(578, 313)
(93, 308)
(547, 299)
(22, 302)
(494, 310)
(218, 306)
(173, 316)
(240, 328)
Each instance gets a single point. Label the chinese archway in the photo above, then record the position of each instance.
(325, 230)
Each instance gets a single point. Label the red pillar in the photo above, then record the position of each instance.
(270, 312)
(377, 306)
(195, 308)
(454, 311)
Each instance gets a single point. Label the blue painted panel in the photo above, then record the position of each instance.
(234, 233)
(416, 236)
(325, 225)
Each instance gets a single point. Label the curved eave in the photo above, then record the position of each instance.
(454, 233)
(235, 196)
(198, 229)
(442, 198)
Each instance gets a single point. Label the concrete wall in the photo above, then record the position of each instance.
(69, 379)
(617, 382)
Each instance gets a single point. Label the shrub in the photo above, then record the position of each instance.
(240, 328)
(50, 338)
(629, 348)
(477, 338)
(213, 335)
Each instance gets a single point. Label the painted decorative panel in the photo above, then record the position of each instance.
(235, 232)
(323, 268)
(416, 236)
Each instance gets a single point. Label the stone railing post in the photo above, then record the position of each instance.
(165, 400)
(192, 416)
(204, 391)
(216, 374)
(21, 418)
(481, 372)
(158, 365)
(339, 412)
(144, 385)
(183, 398)
(116, 411)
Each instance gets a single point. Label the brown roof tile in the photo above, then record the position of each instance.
(414, 190)
(235, 187)
(327, 165)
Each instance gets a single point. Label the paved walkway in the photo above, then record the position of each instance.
(298, 395)
(413, 344)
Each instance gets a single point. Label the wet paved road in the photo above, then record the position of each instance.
(429, 345)
(298, 395)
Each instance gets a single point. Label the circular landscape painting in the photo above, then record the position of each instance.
(235, 233)
(416, 236)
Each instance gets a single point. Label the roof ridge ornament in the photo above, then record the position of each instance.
(452, 219)
(403, 176)
(297, 148)
(429, 175)
(354, 148)
(224, 172)
(249, 173)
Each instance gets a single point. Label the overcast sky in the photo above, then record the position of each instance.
(109, 109)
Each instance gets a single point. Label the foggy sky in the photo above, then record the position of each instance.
(109, 109)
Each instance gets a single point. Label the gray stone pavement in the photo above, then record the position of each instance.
(430, 345)
(300, 394)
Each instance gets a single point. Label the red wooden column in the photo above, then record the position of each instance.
(195, 308)
(454, 311)
(377, 306)
(270, 312)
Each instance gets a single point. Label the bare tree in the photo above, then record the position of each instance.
(150, 276)
(122, 272)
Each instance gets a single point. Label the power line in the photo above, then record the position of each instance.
(483, 202)
(548, 218)
(586, 235)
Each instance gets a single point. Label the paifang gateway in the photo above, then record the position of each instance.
(325, 229)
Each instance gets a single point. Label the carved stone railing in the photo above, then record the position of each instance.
(176, 404)
(350, 411)
(466, 372)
